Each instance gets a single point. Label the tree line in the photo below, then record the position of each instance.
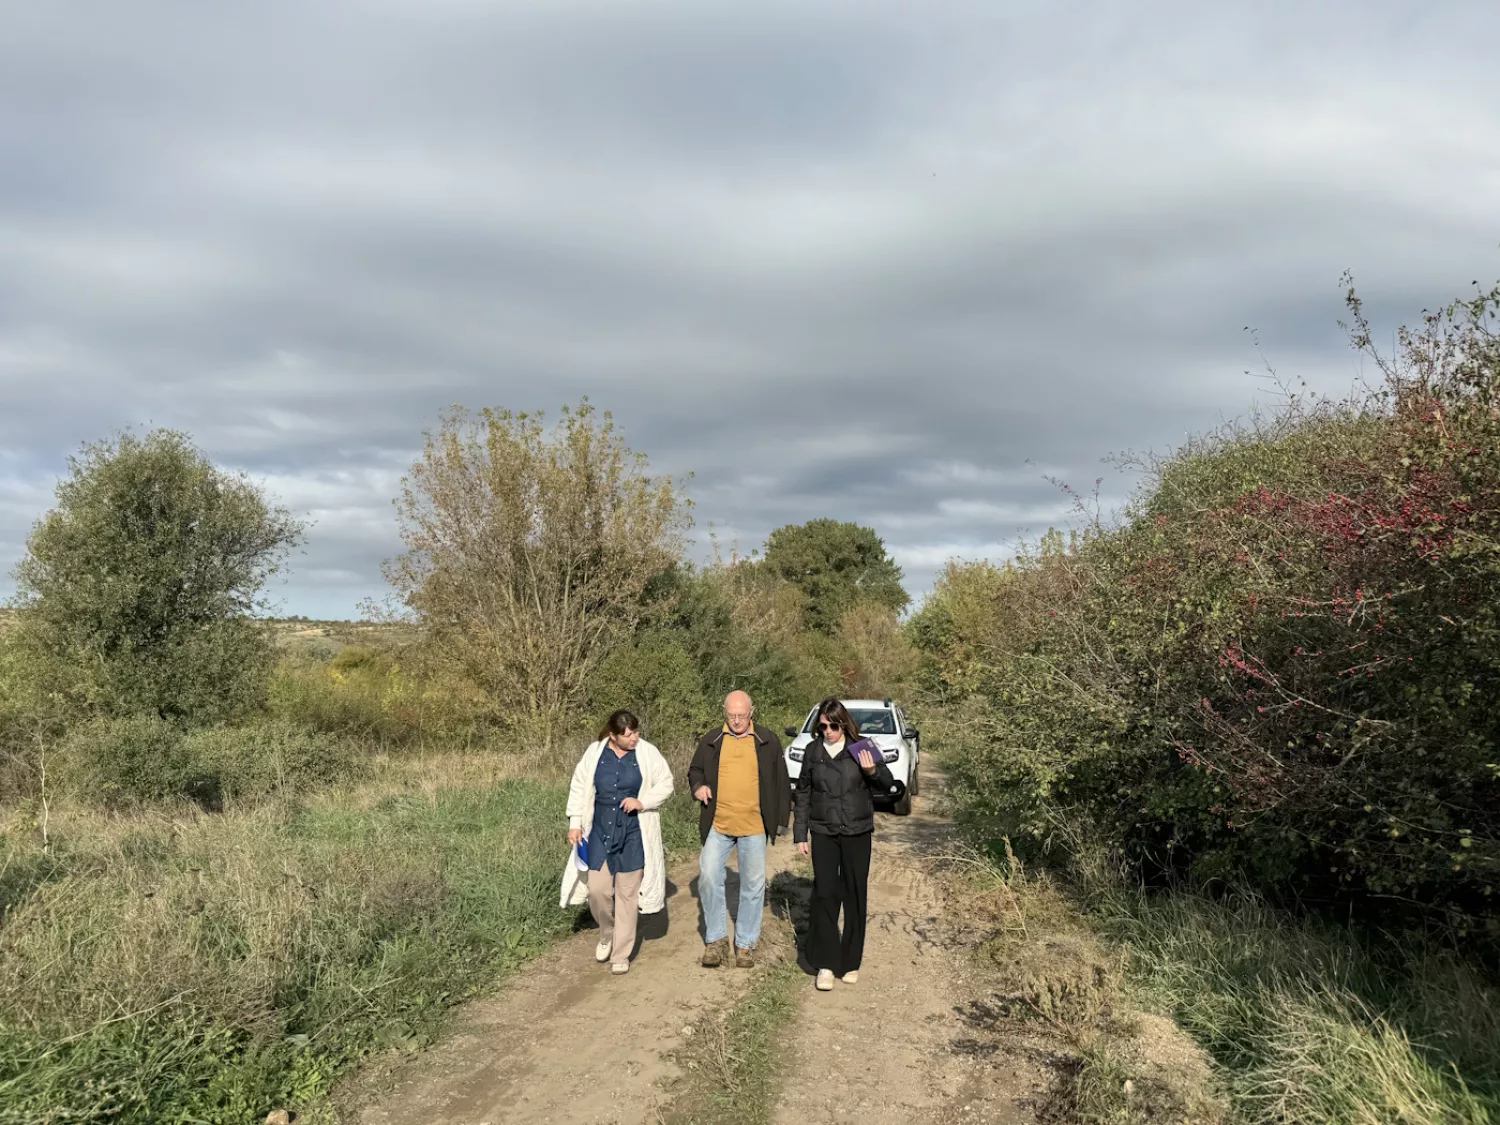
(1274, 668)
(545, 574)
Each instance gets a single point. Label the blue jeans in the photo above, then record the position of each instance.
(711, 861)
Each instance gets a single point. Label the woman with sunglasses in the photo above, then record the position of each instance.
(835, 823)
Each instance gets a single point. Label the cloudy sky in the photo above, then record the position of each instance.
(888, 263)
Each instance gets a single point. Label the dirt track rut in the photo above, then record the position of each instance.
(884, 1049)
(567, 1042)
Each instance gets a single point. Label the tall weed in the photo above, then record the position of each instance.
(1311, 1021)
(177, 966)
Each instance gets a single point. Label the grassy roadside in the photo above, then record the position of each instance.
(178, 966)
(1182, 1009)
(1312, 1022)
(1049, 987)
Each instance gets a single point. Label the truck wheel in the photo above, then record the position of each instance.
(903, 806)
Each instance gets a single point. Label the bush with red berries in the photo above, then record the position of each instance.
(1282, 666)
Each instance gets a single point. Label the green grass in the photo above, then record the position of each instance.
(1304, 1020)
(1311, 1022)
(183, 967)
(734, 1066)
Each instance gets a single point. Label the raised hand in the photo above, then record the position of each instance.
(866, 761)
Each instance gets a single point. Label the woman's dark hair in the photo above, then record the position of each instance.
(836, 712)
(617, 724)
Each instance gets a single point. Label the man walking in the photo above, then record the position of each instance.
(739, 777)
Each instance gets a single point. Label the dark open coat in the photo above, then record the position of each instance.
(835, 797)
(775, 782)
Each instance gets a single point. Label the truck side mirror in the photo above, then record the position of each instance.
(791, 732)
(911, 734)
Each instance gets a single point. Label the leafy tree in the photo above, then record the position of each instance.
(836, 566)
(955, 624)
(876, 658)
(654, 677)
(138, 592)
(533, 552)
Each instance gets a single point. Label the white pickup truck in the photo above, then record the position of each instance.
(883, 723)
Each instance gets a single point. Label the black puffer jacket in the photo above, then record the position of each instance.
(835, 796)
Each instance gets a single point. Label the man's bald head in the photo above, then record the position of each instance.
(738, 711)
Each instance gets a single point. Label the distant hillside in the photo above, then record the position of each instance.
(301, 632)
(329, 637)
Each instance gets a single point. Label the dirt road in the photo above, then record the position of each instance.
(894, 1046)
(567, 1042)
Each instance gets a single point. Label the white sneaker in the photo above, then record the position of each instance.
(851, 978)
(620, 968)
(825, 980)
(602, 951)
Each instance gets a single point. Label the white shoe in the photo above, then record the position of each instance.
(851, 978)
(825, 980)
(620, 968)
(602, 951)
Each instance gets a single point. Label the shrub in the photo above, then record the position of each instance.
(743, 630)
(1277, 667)
(370, 696)
(875, 656)
(654, 677)
(120, 761)
(137, 592)
(239, 763)
(128, 761)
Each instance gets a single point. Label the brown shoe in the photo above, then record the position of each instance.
(715, 953)
(744, 958)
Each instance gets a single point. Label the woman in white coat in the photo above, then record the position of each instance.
(619, 786)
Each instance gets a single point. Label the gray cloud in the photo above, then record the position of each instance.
(922, 260)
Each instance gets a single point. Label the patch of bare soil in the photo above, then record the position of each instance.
(1051, 991)
(566, 1042)
(900, 1044)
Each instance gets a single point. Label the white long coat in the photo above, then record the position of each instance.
(656, 787)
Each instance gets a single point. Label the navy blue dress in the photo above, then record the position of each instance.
(615, 837)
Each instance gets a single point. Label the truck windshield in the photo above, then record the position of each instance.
(869, 722)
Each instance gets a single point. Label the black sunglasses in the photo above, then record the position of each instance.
(830, 726)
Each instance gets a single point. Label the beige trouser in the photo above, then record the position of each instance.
(612, 899)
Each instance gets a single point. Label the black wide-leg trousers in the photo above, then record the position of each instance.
(841, 878)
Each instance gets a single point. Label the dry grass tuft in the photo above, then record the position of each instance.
(1066, 979)
(1051, 975)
